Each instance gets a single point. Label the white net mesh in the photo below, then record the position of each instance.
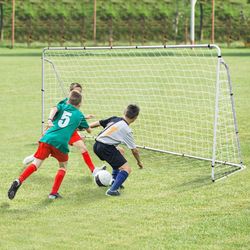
(174, 87)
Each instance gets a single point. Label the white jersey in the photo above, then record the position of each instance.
(116, 131)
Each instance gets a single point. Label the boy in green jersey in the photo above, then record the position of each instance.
(55, 141)
(76, 140)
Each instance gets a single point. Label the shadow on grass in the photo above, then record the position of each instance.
(79, 190)
(4, 206)
(21, 54)
(185, 174)
(87, 191)
(192, 184)
(82, 198)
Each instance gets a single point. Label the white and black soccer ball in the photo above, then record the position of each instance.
(103, 178)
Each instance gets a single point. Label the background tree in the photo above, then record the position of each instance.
(47, 16)
(128, 15)
(1, 20)
(108, 12)
(26, 15)
(143, 14)
(79, 13)
(127, 22)
(162, 13)
(63, 15)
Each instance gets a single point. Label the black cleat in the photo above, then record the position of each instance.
(112, 193)
(55, 196)
(13, 189)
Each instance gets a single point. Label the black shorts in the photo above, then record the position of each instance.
(110, 154)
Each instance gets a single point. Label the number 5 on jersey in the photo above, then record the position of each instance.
(65, 119)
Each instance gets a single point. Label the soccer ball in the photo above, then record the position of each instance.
(103, 178)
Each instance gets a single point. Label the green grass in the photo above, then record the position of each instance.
(171, 204)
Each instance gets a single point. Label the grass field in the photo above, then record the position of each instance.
(171, 204)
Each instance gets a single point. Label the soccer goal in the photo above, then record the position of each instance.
(184, 92)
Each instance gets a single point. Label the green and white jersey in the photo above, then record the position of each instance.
(67, 119)
(116, 131)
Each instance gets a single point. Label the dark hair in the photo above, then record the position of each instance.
(74, 85)
(132, 111)
(75, 97)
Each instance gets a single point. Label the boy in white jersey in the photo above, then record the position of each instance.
(117, 131)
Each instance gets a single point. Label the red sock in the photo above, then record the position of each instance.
(88, 161)
(58, 180)
(27, 172)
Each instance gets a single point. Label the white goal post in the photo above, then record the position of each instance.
(184, 92)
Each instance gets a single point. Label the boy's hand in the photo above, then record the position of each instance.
(89, 116)
(50, 124)
(140, 164)
(88, 130)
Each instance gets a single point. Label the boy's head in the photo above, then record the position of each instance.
(75, 98)
(75, 86)
(131, 112)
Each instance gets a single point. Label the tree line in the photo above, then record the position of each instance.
(123, 22)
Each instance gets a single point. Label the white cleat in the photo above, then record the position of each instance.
(27, 160)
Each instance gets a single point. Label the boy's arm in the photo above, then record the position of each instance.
(84, 125)
(137, 157)
(129, 141)
(102, 123)
(88, 130)
(52, 113)
(89, 116)
(94, 124)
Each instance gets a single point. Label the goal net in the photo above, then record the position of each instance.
(184, 93)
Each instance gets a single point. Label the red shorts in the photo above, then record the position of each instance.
(45, 150)
(74, 138)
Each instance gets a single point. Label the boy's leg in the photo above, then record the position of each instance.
(62, 160)
(24, 175)
(115, 172)
(123, 174)
(30, 169)
(27, 160)
(58, 181)
(121, 150)
(41, 153)
(84, 151)
(86, 157)
(119, 164)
